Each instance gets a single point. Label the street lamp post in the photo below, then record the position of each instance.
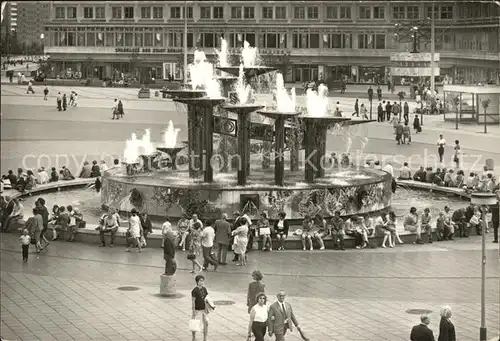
(484, 200)
(185, 43)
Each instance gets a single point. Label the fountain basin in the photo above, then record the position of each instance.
(184, 93)
(274, 114)
(249, 72)
(354, 191)
(204, 102)
(242, 108)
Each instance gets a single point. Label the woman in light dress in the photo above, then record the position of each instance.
(241, 241)
(258, 318)
(135, 230)
(195, 245)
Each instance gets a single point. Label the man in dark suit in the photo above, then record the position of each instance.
(281, 317)
(222, 235)
(421, 332)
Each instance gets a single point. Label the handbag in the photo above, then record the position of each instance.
(194, 325)
(191, 256)
(264, 231)
(32, 239)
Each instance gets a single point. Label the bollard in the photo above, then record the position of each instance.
(168, 285)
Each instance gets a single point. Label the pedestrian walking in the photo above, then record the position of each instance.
(406, 112)
(388, 110)
(200, 307)
(254, 288)
(281, 317)
(64, 102)
(416, 125)
(207, 243)
(363, 111)
(222, 235)
(258, 318)
(406, 134)
(421, 332)
(120, 108)
(446, 327)
(25, 244)
(356, 108)
(45, 93)
(114, 110)
(441, 142)
(379, 93)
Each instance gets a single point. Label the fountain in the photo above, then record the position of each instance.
(147, 151)
(131, 155)
(170, 144)
(204, 190)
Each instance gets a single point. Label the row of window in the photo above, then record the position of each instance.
(248, 12)
(212, 40)
(117, 12)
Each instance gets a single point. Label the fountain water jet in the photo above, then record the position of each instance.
(170, 143)
(248, 55)
(317, 101)
(284, 102)
(243, 90)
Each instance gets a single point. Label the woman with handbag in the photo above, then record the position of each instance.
(200, 308)
(195, 245)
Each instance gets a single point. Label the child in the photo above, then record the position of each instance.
(25, 244)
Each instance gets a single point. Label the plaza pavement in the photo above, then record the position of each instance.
(71, 292)
(32, 129)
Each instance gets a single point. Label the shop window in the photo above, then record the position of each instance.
(249, 12)
(145, 12)
(205, 12)
(236, 12)
(299, 13)
(71, 38)
(80, 39)
(280, 12)
(90, 39)
(190, 40)
(129, 39)
(412, 12)
(109, 39)
(398, 12)
(128, 12)
(365, 41)
(60, 12)
(208, 40)
(158, 38)
(446, 12)
(312, 12)
(175, 12)
(99, 39)
(100, 13)
(364, 12)
(332, 12)
(116, 12)
(267, 12)
(378, 12)
(119, 39)
(71, 12)
(148, 39)
(157, 12)
(380, 41)
(139, 42)
(314, 41)
(271, 41)
(218, 12)
(88, 12)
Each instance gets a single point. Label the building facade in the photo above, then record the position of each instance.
(313, 39)
(31, 19)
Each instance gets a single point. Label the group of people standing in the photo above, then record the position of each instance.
(62, 100)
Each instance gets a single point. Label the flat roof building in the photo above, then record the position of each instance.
(314, 39)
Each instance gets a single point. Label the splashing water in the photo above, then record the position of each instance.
(170, 135)
(131, 151)
(242, 89)
(202, 75)
(222, 54)
(317, 101)
(248, 54)
(284, 103)
(146, 144)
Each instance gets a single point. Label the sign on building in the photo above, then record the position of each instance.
(408, 64)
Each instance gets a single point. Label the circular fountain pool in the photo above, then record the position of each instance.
(89, 202)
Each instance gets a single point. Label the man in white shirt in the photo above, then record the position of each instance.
(43, 176)
(207, 242)
(441, 142)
